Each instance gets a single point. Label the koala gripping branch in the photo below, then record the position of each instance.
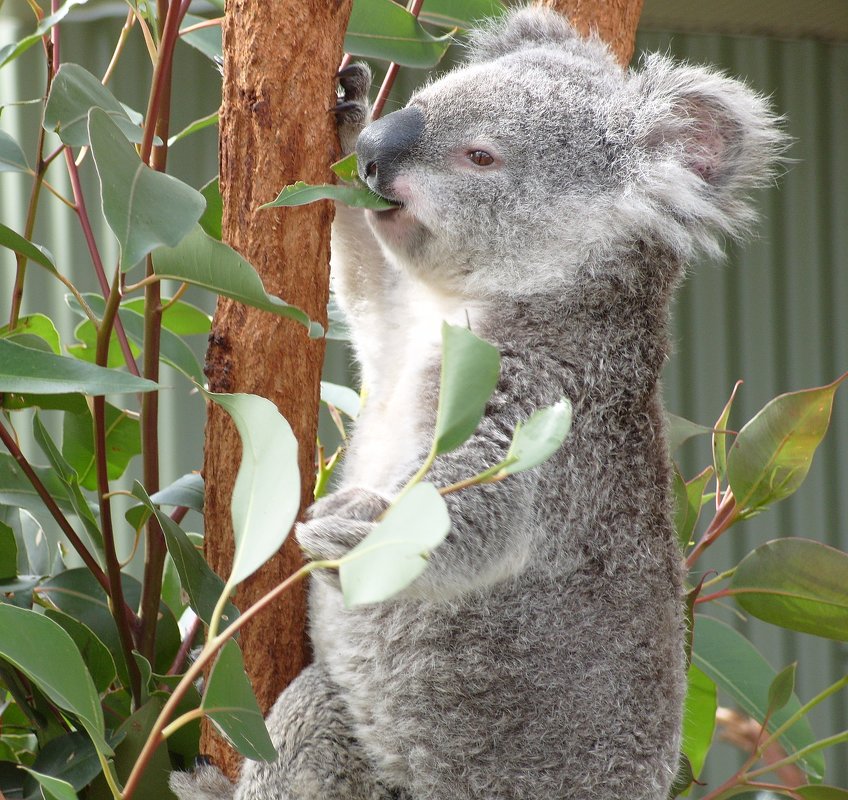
(277, 54)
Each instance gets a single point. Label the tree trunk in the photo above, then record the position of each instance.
(614, 20)
(280, 59)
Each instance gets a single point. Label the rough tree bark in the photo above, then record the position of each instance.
(614, 20)
(280, 58)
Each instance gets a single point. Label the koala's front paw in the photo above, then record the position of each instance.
(205, 783)
(354, 503)
(329, 538)
(352, 109)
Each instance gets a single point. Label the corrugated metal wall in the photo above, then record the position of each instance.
(773, 314)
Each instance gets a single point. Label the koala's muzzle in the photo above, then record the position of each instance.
(380, 147)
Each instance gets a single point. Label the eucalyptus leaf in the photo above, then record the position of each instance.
(231, 705)
(266, 494)
(73, 93)
(387, 31)
(179, 317)
(17, 243)
(395, 552)
(301, 194)
(781, 688)
(772, 454)
(537, 439)
(187, 490)
(451, 14)
(71, 758)
(25, 636)
(211, 220)
(34, 325)
(738, 668)
(194, 127)
(798, 584)
(812, 792)
(719, 438)
(8, 553)
(207, 40)
(689, 500)
(699, 716)
(470, 370)
(144, 208)
(11, 51)
(23, 370)
(16, 489)
(347, 168)
(95, 654)
(680, 430)
(201, 260)
(53, 788)
(12, 158)
(342, 397)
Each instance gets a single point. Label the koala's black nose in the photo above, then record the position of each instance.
(380, 145)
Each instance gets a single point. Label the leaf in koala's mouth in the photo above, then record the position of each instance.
(300, 194)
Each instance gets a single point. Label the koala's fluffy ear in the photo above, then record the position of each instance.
(522, 27)
(708, 140)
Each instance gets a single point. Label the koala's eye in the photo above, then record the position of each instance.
(481, 158)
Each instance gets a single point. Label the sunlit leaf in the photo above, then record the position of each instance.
(266, 494)
(537, 439)
(300, 194)
(25, 636)
(201, 260)
(34, 325)
(211, 219)
(738, 668)
(798, 584)
(144, 208)
(231, 705)
(346, 168)
(73, 93)
(387, 31)
(699, 713)
(53, 788)
(13, 50)
(773, 452)
(179, 317)
(470, 370)
(395, 552)
(193, 127)
(342, 397)
(12, 158)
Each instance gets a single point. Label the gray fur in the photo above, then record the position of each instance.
(540, 655)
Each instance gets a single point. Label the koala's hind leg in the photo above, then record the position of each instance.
(318, 756)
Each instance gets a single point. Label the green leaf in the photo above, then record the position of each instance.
(395, 552)
(202, 261)
(144, 208)
(95, 654)
(347, 168)
(16, 490)
(798, 584)
(680, 430)
(34, 325)
(773, 452)
(135, 731)
(17, 243)
(179, 317)
(470, 370)
(539, 437)
(172, 349)
(781, 689)
(699, 716)
(24, 370)
(342, 397)
(231, 705)
(207, 40)
(187, 490)
(683, 778)
(86, 347)
(689, 500)
(200, 583)
(25, 638)
(384, 30)
(300, 194)
(720, 436)
(193, 127)
(738, 668)
(71, 758)
(451, 14)
(8, 553)
(53, 788)
(74, 92)
(123, 443)
(75, 403)
(211, 219)
(821, 792)
(13, 50)
(12, 158)
(266, 494)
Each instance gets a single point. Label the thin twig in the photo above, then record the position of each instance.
(119, 46)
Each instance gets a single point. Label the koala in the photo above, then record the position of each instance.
(550, 200)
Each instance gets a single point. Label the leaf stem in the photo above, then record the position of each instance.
(57, 514)
(195, 713)
(718, 578)
(119, 46)
(726, 514)
(414, 8)
(113, 566)
(837, 738)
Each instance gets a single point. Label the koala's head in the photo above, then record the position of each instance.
(542, 156)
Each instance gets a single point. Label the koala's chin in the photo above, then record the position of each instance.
(401, 233)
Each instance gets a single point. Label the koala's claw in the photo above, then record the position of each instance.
(355, 80)
(354, 503)
(329, 538)
(344, 106)
(352, 109)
